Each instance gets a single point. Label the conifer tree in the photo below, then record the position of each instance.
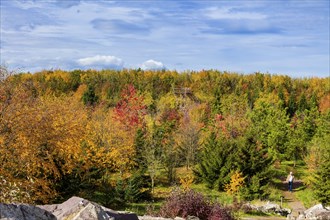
(255, 163)
(89, 97)
(216, 162)
(322, 185)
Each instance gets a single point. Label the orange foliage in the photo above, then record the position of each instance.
(324, 105)
(40, 140)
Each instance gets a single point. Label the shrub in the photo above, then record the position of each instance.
(219, 212)
(191, 203)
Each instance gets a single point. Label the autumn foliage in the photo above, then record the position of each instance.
(89, 133)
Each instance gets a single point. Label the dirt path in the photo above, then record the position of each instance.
(289, 197)
(294, 204)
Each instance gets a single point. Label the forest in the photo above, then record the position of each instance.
(116, 136)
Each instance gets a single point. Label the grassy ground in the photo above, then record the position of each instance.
(276, 190)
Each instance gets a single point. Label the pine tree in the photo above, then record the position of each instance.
(292, 105)
(302, 105)
(216, 162)
(255, 164)
(89, 97)
(322, 185)
(140, 145)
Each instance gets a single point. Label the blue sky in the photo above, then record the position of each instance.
(274, 36)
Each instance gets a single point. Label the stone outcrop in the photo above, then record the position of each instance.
(23, 211)
(269, 207)
(146, 217)
(317, 212)
(74, 208)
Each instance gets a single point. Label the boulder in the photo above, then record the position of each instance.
(317, 212)
(24, 212)
(270, 207)
(74, 208)
(147, 217)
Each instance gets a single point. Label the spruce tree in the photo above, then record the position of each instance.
(322, 185)
(89, 97)
(216, 162)
(140, 147)
(255, 164)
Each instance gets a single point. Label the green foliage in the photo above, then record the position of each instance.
(137, 187)
(322, 185)
(270, 127)
(216, 162)
(89, 97)
(302, 129)
(307, 197)
(263, 117)
(140, 147)
(255, 163)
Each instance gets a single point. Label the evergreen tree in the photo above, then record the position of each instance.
(270, 127)
(282, 98)
(322, 185)
(255, 164)
(302, 105)
(216, 162)
(216, 104)
(313, 103)
(291, 105)
(302, 129)
(140, 147)
(89, 97)
(320, 150)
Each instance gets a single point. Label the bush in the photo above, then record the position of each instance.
(191, 203)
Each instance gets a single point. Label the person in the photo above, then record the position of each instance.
(289, 179)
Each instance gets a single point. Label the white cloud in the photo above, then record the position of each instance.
(230, 13)
(152, 65)
(102, 61)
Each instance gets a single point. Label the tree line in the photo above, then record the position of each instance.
(105, 135)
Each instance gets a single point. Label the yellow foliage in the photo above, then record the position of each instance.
(110, 145)
(40, 140)
(187, 181)
(236, 182)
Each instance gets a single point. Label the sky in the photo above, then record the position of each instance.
(289, 37)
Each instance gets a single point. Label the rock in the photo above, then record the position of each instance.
(74, 208)
(67, 208)
(147, 217)
(270, 207)
(322, 214)
(24, 212)
(316, 210)
(192, 218)
(301, 217)
(284, 212)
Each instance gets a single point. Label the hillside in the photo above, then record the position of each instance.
(127, 136)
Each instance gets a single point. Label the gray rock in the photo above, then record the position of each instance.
(192, 218)
(270, 207)
(323, 215)
(74, 208)
(147, 217)
(317, 212)
(24, 212)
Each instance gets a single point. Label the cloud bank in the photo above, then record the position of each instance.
(100, 61)
(152, 65)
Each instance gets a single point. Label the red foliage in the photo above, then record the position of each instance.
(191, 203)
(171, 115)
(130, 110)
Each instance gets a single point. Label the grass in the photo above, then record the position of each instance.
(143, 208)
(162, 190)
(306, 197)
